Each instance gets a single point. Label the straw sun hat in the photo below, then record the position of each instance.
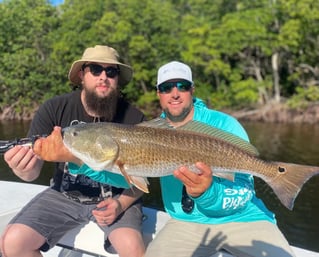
(101, 54)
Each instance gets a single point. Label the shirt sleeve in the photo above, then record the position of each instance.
(104, 177)
(225, 197)
(42, 123)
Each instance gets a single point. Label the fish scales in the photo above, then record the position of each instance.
(158, 152)
(146, 151)
(155, 149)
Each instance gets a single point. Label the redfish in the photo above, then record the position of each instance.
(153, 149)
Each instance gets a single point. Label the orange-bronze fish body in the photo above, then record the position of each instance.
(148, 150)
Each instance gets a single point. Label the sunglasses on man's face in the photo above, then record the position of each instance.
(181, 85)
(96, 70)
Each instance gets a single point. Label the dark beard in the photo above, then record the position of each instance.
(105, 108)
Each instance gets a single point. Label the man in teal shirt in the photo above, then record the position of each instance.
(208, 213)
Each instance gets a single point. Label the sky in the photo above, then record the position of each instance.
(56, 2)
(53, 2)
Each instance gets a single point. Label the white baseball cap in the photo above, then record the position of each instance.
(174, 70)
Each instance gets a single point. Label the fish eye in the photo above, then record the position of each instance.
(74, 133)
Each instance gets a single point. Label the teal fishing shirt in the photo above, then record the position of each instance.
(224, 201)
(105, 177)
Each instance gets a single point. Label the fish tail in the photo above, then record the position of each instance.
(290, 179)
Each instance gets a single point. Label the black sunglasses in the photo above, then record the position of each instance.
(181, 85)
(187, 202)
(96, 70)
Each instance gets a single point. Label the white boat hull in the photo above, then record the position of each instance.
(14, 195)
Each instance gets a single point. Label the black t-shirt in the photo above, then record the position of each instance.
(67, 109)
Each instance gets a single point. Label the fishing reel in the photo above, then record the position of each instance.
(5, 145)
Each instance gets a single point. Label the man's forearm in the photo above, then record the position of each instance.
(129, 196)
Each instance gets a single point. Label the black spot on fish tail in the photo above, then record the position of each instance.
(281, 169)
(289, 181)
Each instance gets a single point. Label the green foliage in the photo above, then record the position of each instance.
(220, 99)
(241, 94)
(24, 51)
(245, 93)
(304, 97)
(149, 104)
(229, 45)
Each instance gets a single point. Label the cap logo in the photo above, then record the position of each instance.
(180, 70)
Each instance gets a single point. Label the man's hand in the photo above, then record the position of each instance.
(195, 183)
(107, 211)
(23, 162)
(52, 148)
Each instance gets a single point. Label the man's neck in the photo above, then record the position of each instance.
(188, 118)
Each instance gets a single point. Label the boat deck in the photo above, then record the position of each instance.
(14, 195)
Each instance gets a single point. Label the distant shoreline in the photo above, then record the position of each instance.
(279, 113)
(272, 113)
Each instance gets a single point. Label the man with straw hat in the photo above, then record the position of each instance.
(75, 199)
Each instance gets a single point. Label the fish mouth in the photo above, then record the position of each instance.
(62, 132)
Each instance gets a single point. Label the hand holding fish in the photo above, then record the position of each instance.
(52, 148)
(195, 183)
(23, 162)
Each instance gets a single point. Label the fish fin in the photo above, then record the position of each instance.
(199, 127)
(156, 123)
(228, 176)
(139, 182)
(289, 181)
(203, 128)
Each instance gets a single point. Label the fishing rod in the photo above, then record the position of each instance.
(5, 145)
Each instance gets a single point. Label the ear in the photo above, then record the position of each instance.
(81, 74)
